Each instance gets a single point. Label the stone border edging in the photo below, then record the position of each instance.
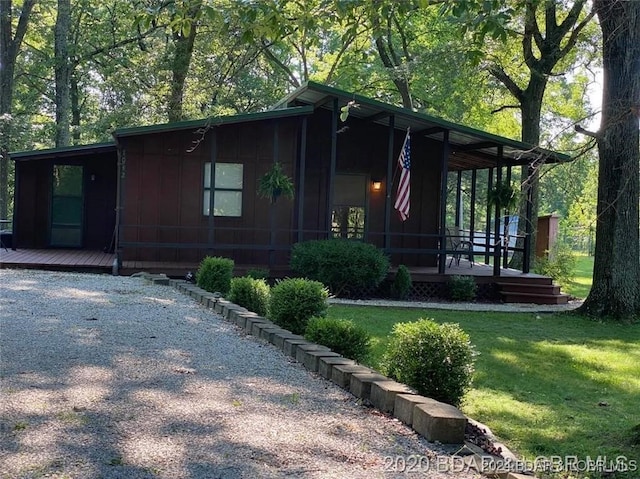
(462, 306)
(434, 420)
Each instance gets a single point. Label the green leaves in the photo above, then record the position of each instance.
(481, 18)
(437, 360)
(275, 183)
(342, 264)
(178, 16)
(504, 196)
(294, 301)
(250, 293)
(214, 274)
(344, 111)
(340, 335)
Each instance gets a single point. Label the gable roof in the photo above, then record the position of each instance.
(470, 148)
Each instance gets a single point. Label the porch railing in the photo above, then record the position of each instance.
(265, 242)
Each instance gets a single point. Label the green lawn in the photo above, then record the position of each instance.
(581, 283)
(546, 384)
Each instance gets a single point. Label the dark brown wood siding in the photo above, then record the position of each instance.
(33, 197)
(163, 193)
(100, 178)
(362, 148)
(33, 200)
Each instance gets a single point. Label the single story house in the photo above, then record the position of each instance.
(177, 192)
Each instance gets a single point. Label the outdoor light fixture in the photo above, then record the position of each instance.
(376, 185)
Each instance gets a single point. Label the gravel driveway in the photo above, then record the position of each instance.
(112, 377)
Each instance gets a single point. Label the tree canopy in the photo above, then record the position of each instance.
(73, 70)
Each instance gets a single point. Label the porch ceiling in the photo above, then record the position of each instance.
(470, 148)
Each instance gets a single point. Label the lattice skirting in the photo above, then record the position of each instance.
(423, 291)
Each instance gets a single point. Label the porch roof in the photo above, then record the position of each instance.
(470, 148)
(64, 152)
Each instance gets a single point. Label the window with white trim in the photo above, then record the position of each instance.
(227, 191)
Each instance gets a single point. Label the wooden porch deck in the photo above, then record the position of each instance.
(57, 260)
(482, 272)
(514, 286)
(82, 260)
(85, 261)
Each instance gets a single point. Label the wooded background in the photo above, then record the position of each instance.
(73, 70)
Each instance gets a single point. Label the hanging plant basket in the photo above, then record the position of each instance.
(504, 196)
(275, 183)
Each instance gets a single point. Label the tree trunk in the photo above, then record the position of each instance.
(76, 113)
(184, 44)
(391, 59)
(9, 48)
(400, 82)
(62, 74)
(542, 49)
(531, 108)
(616, 275)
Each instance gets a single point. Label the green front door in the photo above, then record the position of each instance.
(66, 206)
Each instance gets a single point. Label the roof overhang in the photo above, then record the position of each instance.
(64, 152)
(213, 122)
(470, 148)
(83, 150)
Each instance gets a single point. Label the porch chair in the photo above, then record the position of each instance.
(460, 246)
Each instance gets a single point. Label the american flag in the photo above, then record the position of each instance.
(404, 187)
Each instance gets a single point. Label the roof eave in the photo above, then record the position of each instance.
(519, 149)
(63, 152)
(213, 122)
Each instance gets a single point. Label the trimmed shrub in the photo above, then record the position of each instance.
(341, 264)
(401, 286)
(258, 273)
(341, 335)
(434, 359)
(214, 274)
(294, 301)
(462, 288)
(250, 293)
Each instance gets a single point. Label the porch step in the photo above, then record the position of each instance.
(532, 293)
(525, 279)
(529, 288)
(534, 298)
